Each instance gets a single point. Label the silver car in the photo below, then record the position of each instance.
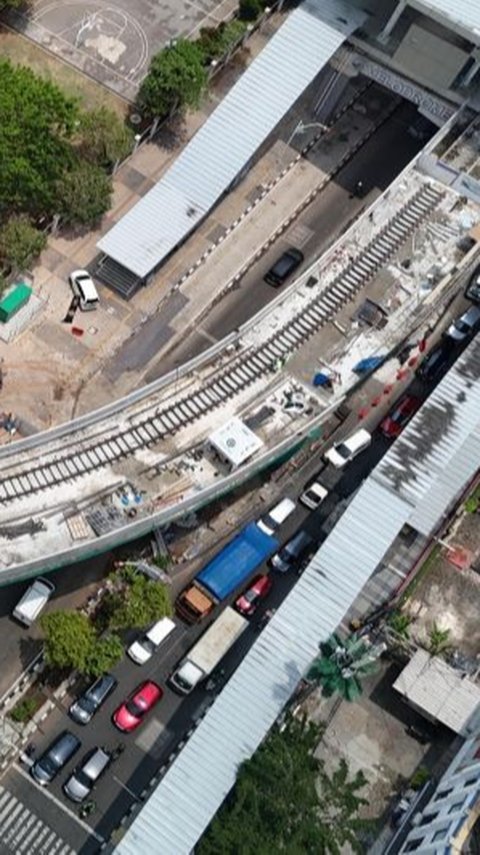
(84, 708)
(84, 777)
(465, 325)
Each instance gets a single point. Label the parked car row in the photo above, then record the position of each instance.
(127, 717)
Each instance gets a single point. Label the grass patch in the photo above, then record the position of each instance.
(21, 51)
(425, 568)
(26, 708)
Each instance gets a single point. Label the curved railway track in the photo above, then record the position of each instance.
(242, 372)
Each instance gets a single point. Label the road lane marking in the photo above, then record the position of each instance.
(60, 804)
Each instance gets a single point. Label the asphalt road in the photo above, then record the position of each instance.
(326, 218)
(150, 747)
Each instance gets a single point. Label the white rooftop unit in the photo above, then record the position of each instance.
(235, 442)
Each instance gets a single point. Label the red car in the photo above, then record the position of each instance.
(403, 411)
(249, 600)
(131, 713)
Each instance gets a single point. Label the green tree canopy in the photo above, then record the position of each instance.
(104, 654)
(36, 126)
(69, 639)
(285, 801)
(84, 194)
(176, 78)
(102, 138)
(216, 41)
(249, 10)
(20, 243)
(72, 642)
(139, 601)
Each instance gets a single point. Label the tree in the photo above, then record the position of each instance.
(341, 665)
(216, 41)
(249, 10)
(72, 642)
(104, 654)
(138, 602)
(37, 123)
(11, 4)
(285, 801)
(84, 194)
(102, 138)
(20, 243)
(69, 639)
(176, 79)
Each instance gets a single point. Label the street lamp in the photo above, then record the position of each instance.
(301, 128)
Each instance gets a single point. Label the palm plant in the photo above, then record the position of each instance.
(342, 664)
(438, 640)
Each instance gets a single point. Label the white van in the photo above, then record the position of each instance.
(82, 286)
(144, 647)
(33, 601)
(343, 452)
(276, 516)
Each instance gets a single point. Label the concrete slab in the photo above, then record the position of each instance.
(114, 42)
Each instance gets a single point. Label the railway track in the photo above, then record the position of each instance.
(241, 373)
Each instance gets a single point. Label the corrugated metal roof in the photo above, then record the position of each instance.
(464, 13)
(445, 694)
(439, 452)
(230, 137)
(192, 790)
(418, 478)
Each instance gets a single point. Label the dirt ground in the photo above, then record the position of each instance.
(370, 734)
(451, 597)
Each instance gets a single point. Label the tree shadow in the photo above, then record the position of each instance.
(172, 134)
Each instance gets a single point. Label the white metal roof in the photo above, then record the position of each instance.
(463, 14)
(235, 441)
(412, 474)
(192, 790)
(230, 137)
(441, 691)
(439, 452)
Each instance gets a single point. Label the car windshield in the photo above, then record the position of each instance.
(84, 779)
(343, 450)
(250, 596)
(312, 495)
(461, 326)
(135, 708)
(88, 703)
(148, 645)
(49, 765)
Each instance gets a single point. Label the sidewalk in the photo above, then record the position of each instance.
(46, 367)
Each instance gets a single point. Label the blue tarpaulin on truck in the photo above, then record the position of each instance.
(237, 560)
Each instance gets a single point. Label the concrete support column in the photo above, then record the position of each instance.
(471, 73)
(385, 34)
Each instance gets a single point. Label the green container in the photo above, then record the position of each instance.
(13, 301)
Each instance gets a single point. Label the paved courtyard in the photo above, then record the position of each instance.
(114, 41)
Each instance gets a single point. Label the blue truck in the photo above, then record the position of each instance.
(229, 569)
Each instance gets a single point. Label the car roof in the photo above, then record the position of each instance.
(148, 690)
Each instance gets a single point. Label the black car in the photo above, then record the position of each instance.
(284, 267)
(47, 767)
(435, 361)
(92, 699)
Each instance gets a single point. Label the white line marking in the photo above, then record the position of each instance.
(60, 804)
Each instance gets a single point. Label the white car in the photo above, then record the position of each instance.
(343, 452)
(314, 495)
(465, 324)
(82, 286)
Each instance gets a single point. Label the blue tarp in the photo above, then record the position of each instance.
(368, 364)
(237, 560)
